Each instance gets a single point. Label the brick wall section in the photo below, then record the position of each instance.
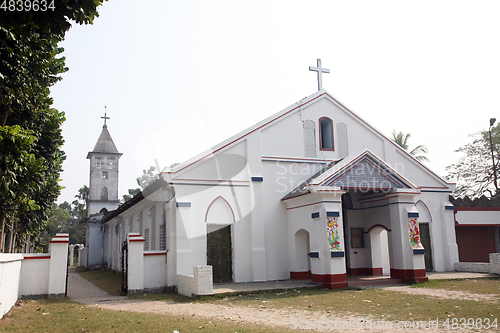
(478, 267)
(200, 283)
(492, 267)
(495, 263)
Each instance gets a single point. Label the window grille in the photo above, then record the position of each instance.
(146, 237)
(163, 238)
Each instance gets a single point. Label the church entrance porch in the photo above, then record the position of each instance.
(382, 235)
(361, 218)
(366, 234)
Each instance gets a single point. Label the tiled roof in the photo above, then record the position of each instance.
(482, 201)
(105, 143)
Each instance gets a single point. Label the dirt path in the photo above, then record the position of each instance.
(445, 294)
(81, 290)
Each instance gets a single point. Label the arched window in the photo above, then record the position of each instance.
(326, 133)
(104, 194)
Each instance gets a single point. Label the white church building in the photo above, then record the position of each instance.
(312, 192)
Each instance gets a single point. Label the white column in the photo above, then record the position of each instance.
(135, 262)
(406, 263)
(257, 226)
(58, 265)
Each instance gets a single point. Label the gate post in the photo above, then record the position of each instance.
(58, 268)
(135, 262)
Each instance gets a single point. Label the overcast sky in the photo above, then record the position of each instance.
(180, 76)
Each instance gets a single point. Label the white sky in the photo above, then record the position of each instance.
(166, 69)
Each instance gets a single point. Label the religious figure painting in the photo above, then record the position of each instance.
(333, 234)
(414, 233)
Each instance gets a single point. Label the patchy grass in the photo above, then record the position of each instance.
(476, 286)
(106, 280)
(376, 302)
(64, 316)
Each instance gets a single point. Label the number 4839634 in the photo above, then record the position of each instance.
(27, 5)
(470, 323)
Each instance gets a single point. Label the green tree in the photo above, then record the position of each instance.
(19, 181)
(130, 195)
(402, 140)
(31, 139)
(474, 171)
(79, 205)
(148, 177)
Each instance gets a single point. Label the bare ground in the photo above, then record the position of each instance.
(82, 292)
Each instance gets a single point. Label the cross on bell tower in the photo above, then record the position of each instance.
(320, 70)
(105, 117)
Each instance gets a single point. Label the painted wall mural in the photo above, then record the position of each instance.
(333, 234)
(414, 233)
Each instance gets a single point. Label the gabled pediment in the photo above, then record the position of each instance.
(364, 171)
(361, 170)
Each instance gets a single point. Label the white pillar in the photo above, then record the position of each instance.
(71, 250)
(257, 226)
(407, 263)
(328, 265)
(58, 265)
(135, 262)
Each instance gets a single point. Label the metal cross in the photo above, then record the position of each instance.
(105, 117)
(320, 70)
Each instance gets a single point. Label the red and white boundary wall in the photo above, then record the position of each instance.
(34, 275)
(147, 270)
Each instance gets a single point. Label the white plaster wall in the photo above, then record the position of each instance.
(285, 137)
(301, 262)
(155, 270)
(94, 244)
(35, 276)
(279, 179)
(380, 250)
(299, 219)
(201, 187)
(478, 217)
(10, 271)
(171, 243)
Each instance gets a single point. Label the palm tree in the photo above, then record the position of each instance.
(402, 139)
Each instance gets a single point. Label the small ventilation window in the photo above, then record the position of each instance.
(326, 133)
(105, 175)
(309, 138)
(146, 237)
(163, 237)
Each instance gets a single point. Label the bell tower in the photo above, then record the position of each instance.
(103, 186)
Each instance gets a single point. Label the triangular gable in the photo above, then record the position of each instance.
(296, 107)
(363, 170)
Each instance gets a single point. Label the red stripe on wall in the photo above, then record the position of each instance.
(39, 257)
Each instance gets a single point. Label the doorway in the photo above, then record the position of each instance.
(219, 254)
(425, 239)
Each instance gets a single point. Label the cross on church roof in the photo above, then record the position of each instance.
(320, 70)
(105, 117)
